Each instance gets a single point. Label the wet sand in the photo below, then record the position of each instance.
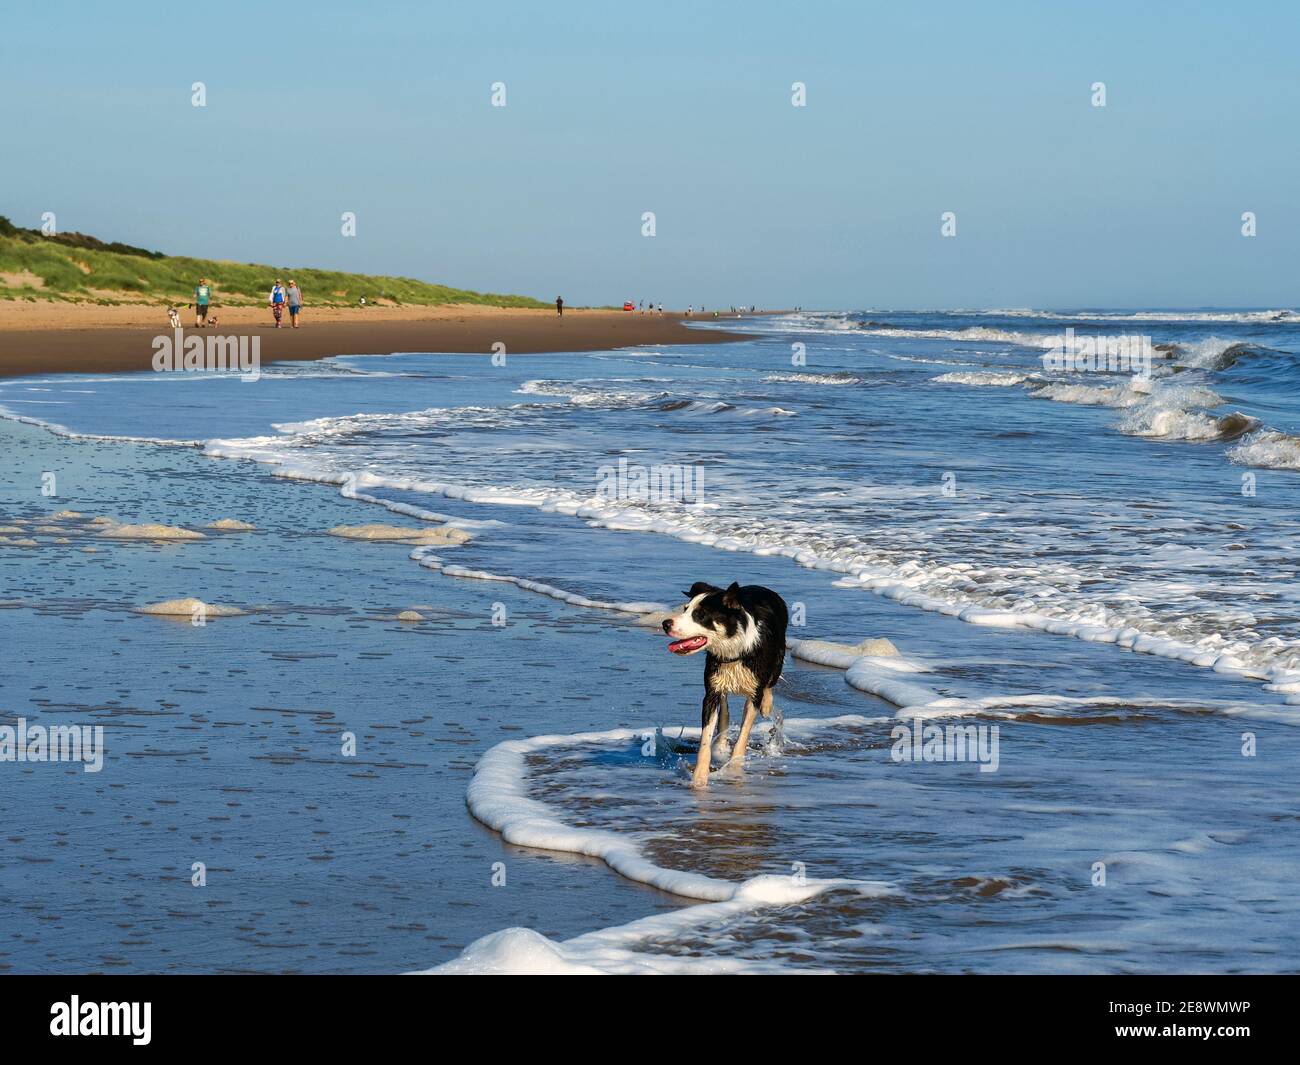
(85, 338)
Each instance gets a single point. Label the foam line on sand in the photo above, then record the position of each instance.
(497, 796)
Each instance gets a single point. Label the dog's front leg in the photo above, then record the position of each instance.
(751, 712)
(720, 742)
(709, 717)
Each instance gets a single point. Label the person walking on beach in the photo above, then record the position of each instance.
(294, 296)
(202, 297)
(276, 300)
(559, 306)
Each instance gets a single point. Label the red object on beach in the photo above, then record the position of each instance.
(627, 305)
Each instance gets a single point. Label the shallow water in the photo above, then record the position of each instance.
(223, 741)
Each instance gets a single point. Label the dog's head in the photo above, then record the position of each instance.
(712, 619)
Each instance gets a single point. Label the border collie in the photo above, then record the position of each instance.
(742, 631)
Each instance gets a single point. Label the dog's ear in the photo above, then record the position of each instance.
(701, 588)
(731, 598)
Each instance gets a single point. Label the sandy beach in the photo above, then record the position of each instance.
(57, 337)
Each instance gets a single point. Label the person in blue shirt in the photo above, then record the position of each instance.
(277, 300)
(202, 297)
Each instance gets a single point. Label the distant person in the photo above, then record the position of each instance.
(689, 308)
(276, 300)
(661, 306)
(202, 297)
(559, 306)
(294, 296)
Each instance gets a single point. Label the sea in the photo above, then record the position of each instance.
(1070, 745)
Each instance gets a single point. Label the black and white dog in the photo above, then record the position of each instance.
(742, 631)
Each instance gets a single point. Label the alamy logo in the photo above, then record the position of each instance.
(211, 354)
(1105, 354)
(650, 484)
(921, 742)
(58, 743)
(102, 1018)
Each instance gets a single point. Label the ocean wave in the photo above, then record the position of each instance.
(1265, 366)
(1242, 317)
(985, 378)
(841, 378)
(1116, 395)
(1165, 409)
(1268, 449)
(1213, 353)
(1173, 424)
(804, 321)
(594, 392)
(980, 594)
(970, 334)
(721, 406)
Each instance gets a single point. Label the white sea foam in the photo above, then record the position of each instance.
(522, 951)
(498, 797)
(884, 677)
(951, 589)
(64, 431)
(431, 561)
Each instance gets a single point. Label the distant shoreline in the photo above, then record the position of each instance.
(53, 337)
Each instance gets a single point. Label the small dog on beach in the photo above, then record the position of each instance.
(213, 321)
(173, 316)
(742, 631)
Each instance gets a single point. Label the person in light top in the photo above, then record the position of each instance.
(294, 296)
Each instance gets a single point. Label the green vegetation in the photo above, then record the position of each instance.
(73, 266)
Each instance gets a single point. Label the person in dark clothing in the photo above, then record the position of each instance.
(559, 306)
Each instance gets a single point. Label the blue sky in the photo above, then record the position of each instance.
(682, 109)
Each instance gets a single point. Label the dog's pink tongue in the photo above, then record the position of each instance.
(691, 643)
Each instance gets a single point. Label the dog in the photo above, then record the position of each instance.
(174, 317)
(212, 322)
(742, 632)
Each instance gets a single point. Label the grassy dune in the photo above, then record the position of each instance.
(73, 266)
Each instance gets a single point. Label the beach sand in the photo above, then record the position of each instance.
(54, 337)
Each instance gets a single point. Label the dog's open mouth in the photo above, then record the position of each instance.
(686, 646)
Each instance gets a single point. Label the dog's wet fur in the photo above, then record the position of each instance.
(742, 632)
